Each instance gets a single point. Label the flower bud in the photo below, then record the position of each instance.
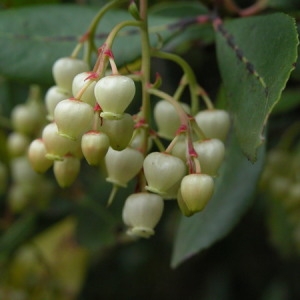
(214, 123)
(210, 155)
(94, 145)
(114, 93)
(53, 96)
(65, 69)
(195, 191)
(79, 82)
(37, 156)
(141, 213)
(58, 146)
(22, 172)
(123, 165)
(162, 171)
(167, 119)
(73, 118)
(17, 144)
(28, 118)
(66, 171)
(137, 140)
(119, 131)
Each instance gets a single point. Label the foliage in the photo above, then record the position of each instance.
(214, 56)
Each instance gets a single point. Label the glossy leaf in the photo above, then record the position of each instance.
(256, 56)
(233, 195)
(34, 37)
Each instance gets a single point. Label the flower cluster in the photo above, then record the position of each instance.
(26, 185)
(88, 118)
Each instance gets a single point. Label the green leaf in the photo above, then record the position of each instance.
(290, 99)
(4, 103)
(185, 12)
(39, 35)
(256, 56)
(179, 9)
(296, 73)
(233, 195)
(15, 3)
(91, 214)
(181, 43)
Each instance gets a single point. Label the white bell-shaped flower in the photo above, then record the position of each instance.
(56, 145)
(37, 156)
(214, 123)
(81, 81)
(167, 119)
(123, 165)
(66, 170)
(119, 131)
(195, 191)
(162, 171)
(65, 69)
(54, 95)
(141, 213)
(114, 93)
(94, 145)
(211, 154)
(73, 118)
